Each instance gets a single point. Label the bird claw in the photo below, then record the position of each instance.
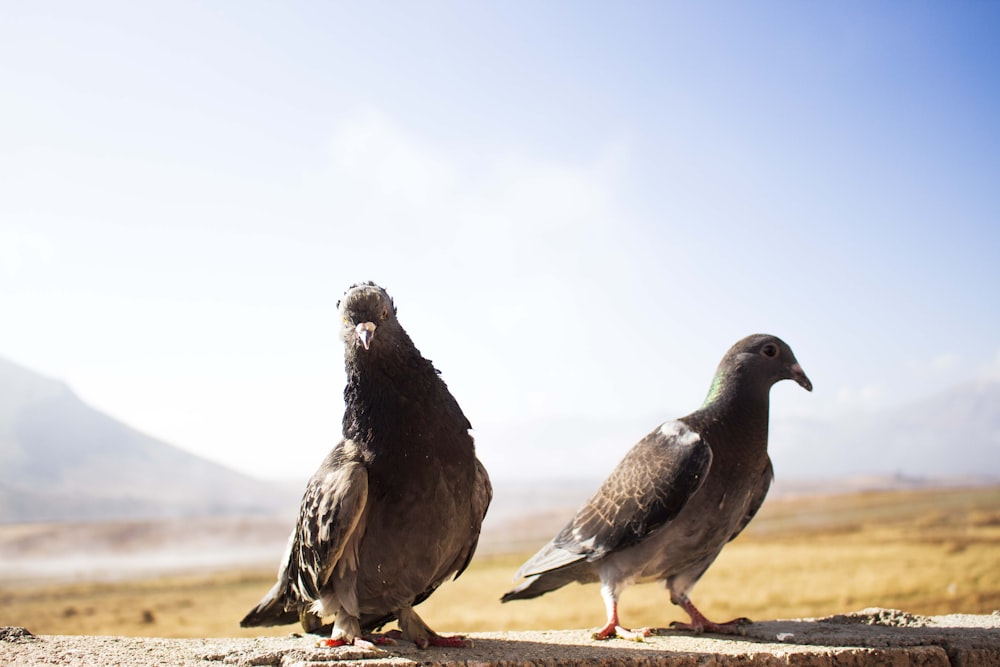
(383, 640)
(733, 627)
(331, 643)
(457, 641)
(357, 642)
(610, 632)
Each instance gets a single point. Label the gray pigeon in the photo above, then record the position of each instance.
(396, 508)
(678, 496)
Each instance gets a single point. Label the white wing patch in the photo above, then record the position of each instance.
(588, 543)
(679, 430)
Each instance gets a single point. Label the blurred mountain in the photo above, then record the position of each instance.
(62, 460)
(945, 441)
(953, 434)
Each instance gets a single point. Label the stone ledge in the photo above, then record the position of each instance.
(870, 637)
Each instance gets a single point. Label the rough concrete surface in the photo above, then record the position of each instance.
(869, 637)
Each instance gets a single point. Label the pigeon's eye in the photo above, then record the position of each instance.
(770, 351)
(385, 312)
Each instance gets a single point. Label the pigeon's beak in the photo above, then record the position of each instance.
(799, 376)
(365, 331)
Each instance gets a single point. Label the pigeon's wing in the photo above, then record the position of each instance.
(332, 509)
(482, 494)
(763, 485)
(648, 488)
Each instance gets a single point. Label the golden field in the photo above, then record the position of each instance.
(926, 552)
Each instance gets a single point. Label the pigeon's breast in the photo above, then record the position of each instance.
(418, 524)
(687, 544)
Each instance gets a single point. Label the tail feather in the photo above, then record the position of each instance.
(271, 611)
(540, 584)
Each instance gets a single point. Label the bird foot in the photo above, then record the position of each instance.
(382, 640)
(612, 631)
(414, 629)
(334, 643)
(457, 641)
(433, 639)
(697, 626)
(371, 642)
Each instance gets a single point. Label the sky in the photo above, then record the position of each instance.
(578, 207)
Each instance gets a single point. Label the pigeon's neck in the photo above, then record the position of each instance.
(735, 406)
(395, 400)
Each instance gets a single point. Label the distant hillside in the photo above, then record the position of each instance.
(955, 433)
(62, 460)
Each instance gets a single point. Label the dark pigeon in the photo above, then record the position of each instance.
(396, 507)
(677, 498)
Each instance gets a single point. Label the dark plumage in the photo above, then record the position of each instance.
(677, 497)
(396, 507)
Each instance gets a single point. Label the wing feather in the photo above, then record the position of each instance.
(645, 491)
(332, 508)
(482, 494)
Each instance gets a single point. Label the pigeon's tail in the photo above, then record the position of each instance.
(270, 611)
(540, 584)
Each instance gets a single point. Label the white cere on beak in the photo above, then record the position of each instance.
(365, 331)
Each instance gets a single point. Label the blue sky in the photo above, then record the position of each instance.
(578, 207)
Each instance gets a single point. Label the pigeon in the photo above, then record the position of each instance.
(677, 497)
(396, 507)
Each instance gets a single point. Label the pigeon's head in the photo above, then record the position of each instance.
(367, 311)
(756, 363)
(768, 359)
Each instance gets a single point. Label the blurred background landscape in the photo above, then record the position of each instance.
(104, 530)
(577, 207)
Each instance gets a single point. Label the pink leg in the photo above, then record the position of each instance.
(608, 631)
(701, 624)
(614, 629)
